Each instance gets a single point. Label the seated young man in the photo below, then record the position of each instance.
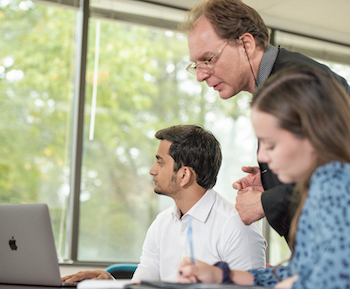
(186, 168)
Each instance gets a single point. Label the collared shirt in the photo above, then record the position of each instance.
(218, 235)
(266, 64)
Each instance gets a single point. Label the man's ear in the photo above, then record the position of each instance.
(249, 42)
(186, 176)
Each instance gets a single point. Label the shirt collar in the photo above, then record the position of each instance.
(201, 209)
(266, 64)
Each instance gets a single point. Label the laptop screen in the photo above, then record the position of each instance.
(27, 248)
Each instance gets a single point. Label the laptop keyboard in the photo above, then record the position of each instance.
(70, 284)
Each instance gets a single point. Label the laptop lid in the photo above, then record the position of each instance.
(27, 248)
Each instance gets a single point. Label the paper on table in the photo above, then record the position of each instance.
(102, 284)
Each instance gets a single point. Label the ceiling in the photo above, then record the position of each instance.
(324, 19)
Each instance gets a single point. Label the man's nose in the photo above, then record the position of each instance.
(152, 170)
(201, 76)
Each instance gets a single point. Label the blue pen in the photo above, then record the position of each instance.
(189, 236)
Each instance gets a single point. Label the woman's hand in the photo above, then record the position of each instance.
(200, 271)
(205, 273)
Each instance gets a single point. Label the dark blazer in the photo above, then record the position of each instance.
(277, 200)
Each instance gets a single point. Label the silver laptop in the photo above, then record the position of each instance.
(27, 248)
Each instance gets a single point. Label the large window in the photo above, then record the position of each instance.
(37, 44)
(136, 84)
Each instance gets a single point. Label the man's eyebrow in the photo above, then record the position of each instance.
(158, 157)
(205, 56)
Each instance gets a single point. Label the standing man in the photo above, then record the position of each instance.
(187, 164)
(229, 49)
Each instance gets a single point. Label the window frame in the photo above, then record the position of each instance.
(86, 11)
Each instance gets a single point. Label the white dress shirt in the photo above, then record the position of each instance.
(218, 235)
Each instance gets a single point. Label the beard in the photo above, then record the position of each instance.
(171, 188)
(159, 192)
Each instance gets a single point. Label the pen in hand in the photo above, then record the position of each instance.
(189, 236)
(190, 240)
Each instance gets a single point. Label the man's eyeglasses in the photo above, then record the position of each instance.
(204, 66)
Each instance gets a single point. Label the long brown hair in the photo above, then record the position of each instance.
(309, 104)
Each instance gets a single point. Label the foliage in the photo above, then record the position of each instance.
(142, 87)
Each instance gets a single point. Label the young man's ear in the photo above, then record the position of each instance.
(186, 176)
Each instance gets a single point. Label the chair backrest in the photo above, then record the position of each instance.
(122, 270)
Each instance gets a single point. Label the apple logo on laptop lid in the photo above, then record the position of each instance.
(12, 243)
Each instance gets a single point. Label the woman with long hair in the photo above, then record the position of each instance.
(302, 120)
